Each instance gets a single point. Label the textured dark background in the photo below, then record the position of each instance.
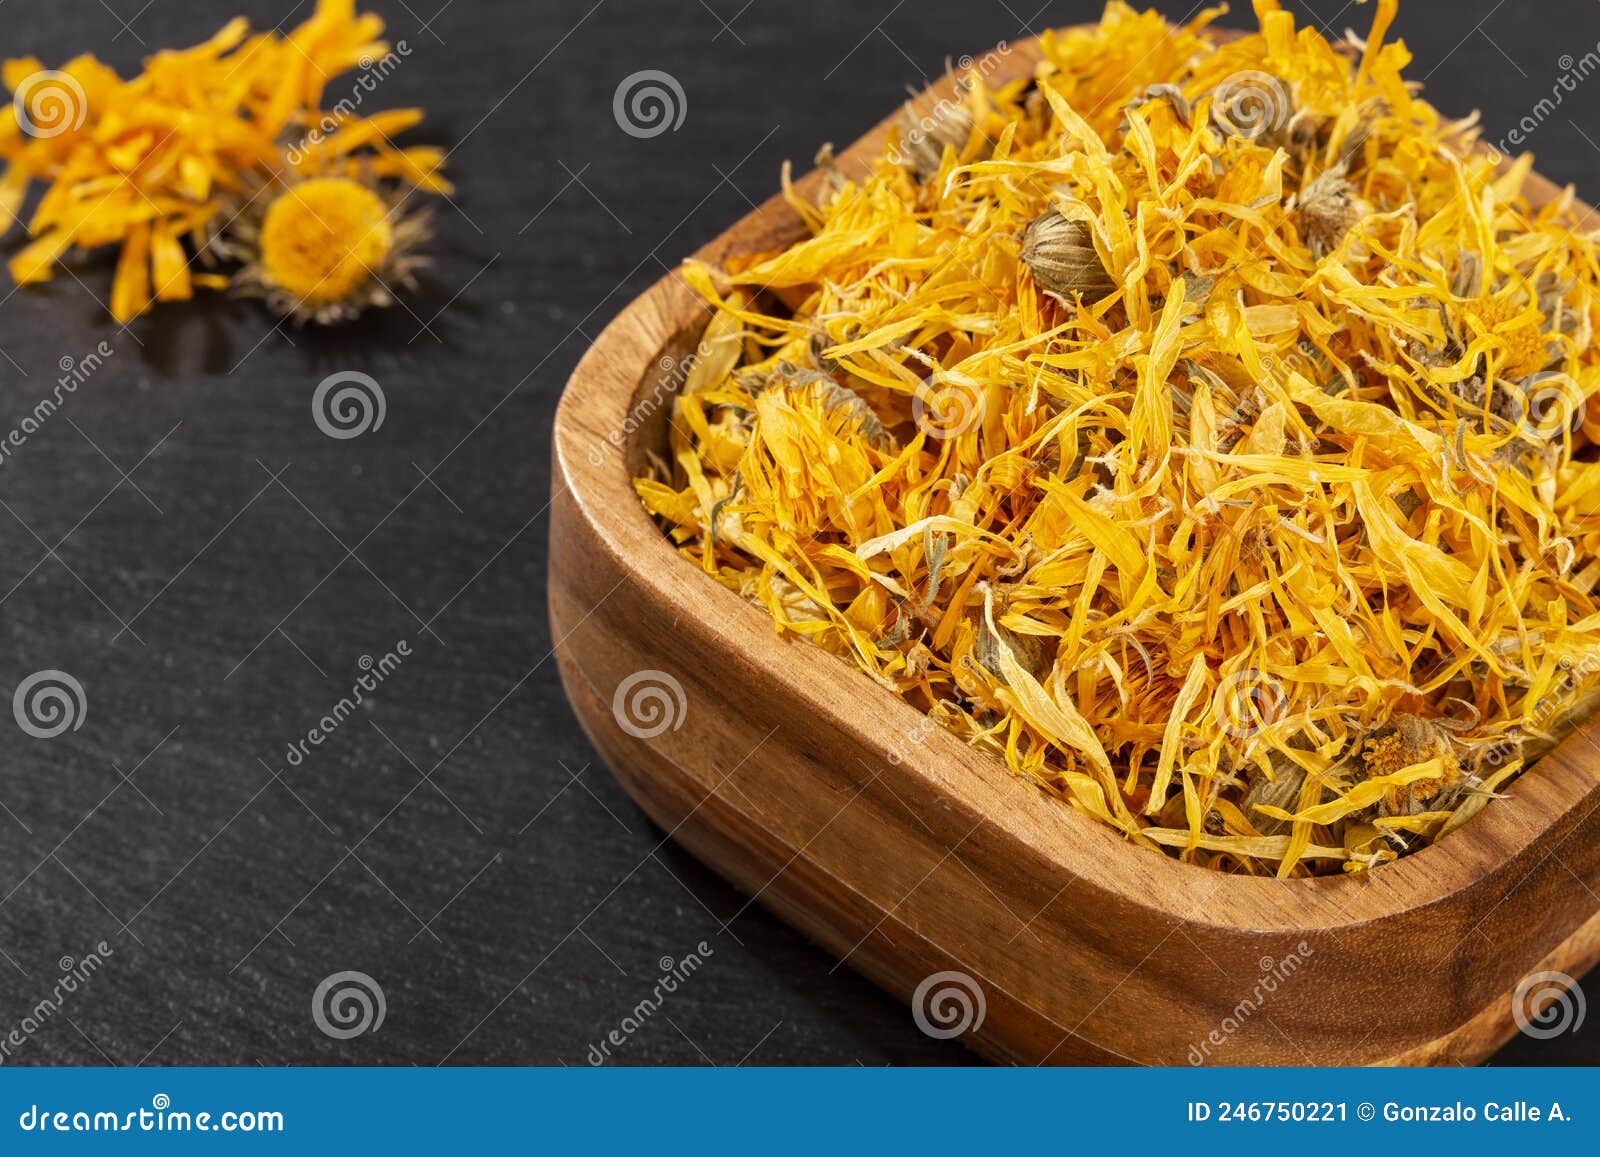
(185, 542)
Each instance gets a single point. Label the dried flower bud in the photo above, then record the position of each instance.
(1032, 653)
(1061, 256)
(825, 161)
(1170, 93)
(1304, 132)
(1329, 208)
(831, 396)
(1468, 278)
(1281, 790)
(924, 135)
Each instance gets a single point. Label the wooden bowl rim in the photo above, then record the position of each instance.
(597, 405)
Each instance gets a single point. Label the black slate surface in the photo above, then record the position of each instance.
(185, 542)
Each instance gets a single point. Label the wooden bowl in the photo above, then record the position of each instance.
(905, 853)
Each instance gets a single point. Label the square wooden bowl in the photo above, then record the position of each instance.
(908, 854)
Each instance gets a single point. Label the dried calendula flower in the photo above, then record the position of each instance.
(1412, 742)
(175, 153)
(926, 131)
(322, 239)
(836, 399)
(1059, 252)
(924, 139)
(1279, 550)
(325, 249)
(1520, 328)
(1329, 207)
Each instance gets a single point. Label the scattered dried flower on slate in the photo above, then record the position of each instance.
(191, 146)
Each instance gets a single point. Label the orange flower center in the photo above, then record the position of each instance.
(324, 239)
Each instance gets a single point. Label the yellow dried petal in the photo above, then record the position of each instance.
(1225, 416)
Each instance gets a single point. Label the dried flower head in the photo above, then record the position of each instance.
(322, 239)
(1521, 328)
(819, 389)
(325, 249)
(1411, 742)
(1329, 207)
